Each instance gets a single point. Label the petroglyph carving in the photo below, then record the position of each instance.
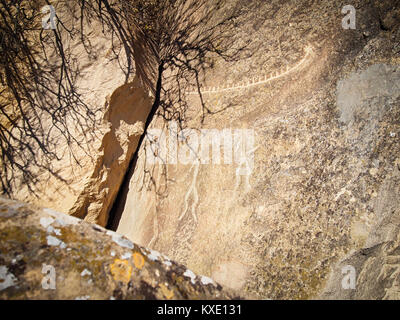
(260, 79)
(192, 191)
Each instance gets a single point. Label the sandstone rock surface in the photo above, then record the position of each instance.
(92, 164)
(324, 105)
(126, 114)
(49, 255)
(377, 264)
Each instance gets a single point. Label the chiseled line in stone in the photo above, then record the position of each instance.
(252, 83)
(155, 232)
(246, 177)
(192, 189)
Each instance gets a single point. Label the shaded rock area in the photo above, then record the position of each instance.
(327, 145)
(91, 165)
(49, 255)
(127, 110)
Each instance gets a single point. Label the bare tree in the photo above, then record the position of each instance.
(166, 43)
(37, 80)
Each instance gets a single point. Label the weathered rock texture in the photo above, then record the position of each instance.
(126, 114)
(327, 137)
(92, 172)
(377, 264)
(87, 261)
(323, 192)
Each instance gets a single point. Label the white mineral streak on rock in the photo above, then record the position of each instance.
(154, 255)
(61, 218)
(53, 241)
(85, 272)
(46, 221)
(168, 263)
(56, 231)
(120, 240)
(206, 280)
(188, 273)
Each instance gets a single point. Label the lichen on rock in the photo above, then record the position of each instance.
(85, 261)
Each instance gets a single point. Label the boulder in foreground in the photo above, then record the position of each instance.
(49, 255)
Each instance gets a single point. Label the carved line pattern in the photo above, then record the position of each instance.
(258, 81)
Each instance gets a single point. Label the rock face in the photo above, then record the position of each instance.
(50, 255)
(324, 104)
(321, 197)
(375, 267)
(126, 114)
(91, 174)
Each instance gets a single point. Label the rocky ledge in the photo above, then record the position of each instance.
(49, 255)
